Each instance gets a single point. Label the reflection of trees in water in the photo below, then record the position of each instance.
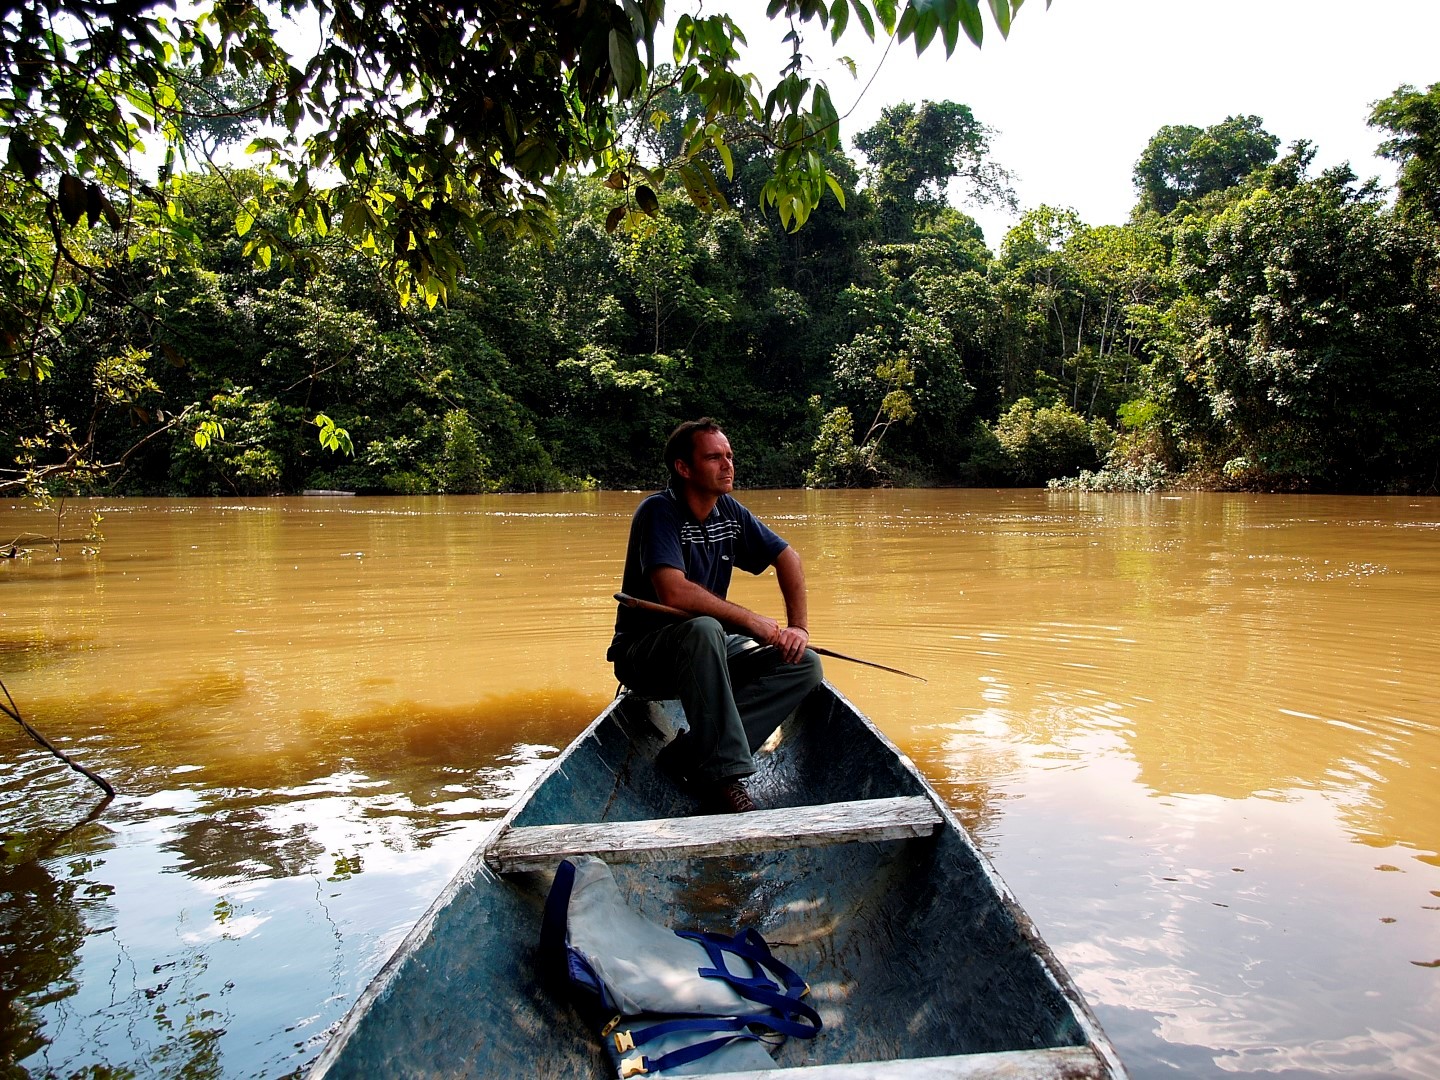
(41, 799)
(185, 1011)
(402, 768)
(44, 807)
(243, 842)
(168, 1017)
(41, 931)
(80, 995)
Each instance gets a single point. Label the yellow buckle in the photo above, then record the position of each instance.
(633, 1067)
(623, 1042)
(609, 1027)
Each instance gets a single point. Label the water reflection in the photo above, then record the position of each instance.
(1197, 735)
(237, 898)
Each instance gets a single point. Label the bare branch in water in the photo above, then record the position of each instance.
(10, 709)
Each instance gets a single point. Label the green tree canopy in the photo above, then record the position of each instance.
(914, 153)
(1413, 120)
(411, 133)
(1183, 163)
(1311, 337)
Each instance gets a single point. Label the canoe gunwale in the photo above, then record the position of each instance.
(1063, 1063)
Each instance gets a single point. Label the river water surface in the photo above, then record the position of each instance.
(1198, 735)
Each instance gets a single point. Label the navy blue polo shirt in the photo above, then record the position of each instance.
(663, 532)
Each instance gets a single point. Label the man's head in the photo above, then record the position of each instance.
(697, 452)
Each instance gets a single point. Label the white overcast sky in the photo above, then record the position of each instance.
(1078, 90)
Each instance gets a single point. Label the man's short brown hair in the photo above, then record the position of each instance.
(681, 444)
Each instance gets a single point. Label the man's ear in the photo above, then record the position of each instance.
(683, 468)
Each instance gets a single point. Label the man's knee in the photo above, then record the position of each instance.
(810, 665)
(702, 634)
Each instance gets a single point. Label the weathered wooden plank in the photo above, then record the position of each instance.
(1065, 1063)
(538, 847)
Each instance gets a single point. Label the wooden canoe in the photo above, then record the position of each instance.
(920, 961)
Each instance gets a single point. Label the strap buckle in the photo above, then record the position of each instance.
(624, 1041)
(633, 1067)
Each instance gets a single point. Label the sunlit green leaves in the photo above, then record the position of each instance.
(206, 432)
(332, 438)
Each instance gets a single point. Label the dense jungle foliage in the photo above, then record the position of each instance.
(1256, 324)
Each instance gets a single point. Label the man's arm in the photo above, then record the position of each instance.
(674, 589)
(796, 635)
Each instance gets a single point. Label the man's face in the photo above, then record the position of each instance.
(711, 469)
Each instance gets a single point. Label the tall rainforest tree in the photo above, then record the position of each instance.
(901, 400)
(914, 154)
(1413, 120)
(1183, 163)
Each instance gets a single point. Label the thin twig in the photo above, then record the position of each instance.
(13, 711)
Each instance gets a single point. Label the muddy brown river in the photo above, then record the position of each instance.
(1199, 736)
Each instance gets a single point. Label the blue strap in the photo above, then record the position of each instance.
(692, 1023)
(794, 1016)
(749, 945)
(693, 1052)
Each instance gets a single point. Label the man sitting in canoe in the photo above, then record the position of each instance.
(684, 542)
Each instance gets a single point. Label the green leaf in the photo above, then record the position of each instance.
(950, 32)
(866, 22)
(725, 156)
(969, 11)
(1000, 9)
(836, 190)
(925, 27)
(906, 27)
(684, 30)
(244, 221)
(839, 19)
(624, 63)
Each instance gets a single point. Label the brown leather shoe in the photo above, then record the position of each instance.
(727, 797)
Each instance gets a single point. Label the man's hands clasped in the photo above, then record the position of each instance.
(790, 640)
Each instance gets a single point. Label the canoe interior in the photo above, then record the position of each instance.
(909, 948)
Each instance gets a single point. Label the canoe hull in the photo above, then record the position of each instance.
(913, 948)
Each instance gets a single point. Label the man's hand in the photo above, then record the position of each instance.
(792, 642)
(762, 628)
(675, 590)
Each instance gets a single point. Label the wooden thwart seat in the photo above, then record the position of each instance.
(539, 847)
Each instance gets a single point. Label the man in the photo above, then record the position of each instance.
(684, 542)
